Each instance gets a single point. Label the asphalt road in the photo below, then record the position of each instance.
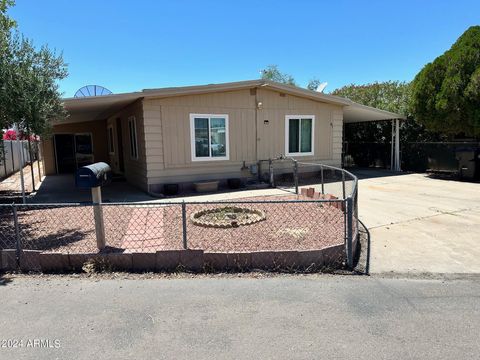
(284, 317)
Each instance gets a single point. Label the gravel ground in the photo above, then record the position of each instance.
(299, 226)
(64, 229)
(288, 226)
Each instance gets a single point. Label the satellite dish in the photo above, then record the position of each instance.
(322, 87)
(92, 90)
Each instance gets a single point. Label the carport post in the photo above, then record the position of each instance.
(98, 215)
(397, 145)
(392, 166)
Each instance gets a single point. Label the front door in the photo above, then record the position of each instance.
(65, 153)
(72, 151)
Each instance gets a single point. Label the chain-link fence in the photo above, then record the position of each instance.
(321, 182)
(312, 207)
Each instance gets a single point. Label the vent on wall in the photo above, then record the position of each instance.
(282, 94)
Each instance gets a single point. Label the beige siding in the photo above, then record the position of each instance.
(337, 136)
(272, 137)
(167, 129)
(169, 152)
(135, 169)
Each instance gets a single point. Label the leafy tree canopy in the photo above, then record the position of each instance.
(446, 92)
(29, 94)
(313, 84)
(273, 73)
(393, 96)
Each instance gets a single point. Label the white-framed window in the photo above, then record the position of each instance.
(299, 135)
(111, 140)
(132, 132)
(209, 137)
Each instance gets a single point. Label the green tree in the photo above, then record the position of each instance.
(393, 96)
(29, 81)
(6, 23)
(273, 73)
(446, 92)
(6, 27)
(313, 84)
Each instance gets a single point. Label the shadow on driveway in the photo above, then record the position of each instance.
(61, 189)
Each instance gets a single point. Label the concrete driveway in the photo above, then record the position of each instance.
(420, 224)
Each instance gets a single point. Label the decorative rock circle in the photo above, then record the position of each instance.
(227, 217)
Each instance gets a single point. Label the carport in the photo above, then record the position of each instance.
(357, 113)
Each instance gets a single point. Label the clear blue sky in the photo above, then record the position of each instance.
(128, 45)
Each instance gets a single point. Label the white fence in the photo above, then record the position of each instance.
(10, 155)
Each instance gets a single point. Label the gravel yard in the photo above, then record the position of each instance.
(153, 227)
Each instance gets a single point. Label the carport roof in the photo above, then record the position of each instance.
(101, 107)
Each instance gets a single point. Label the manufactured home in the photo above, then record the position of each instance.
(186, 134)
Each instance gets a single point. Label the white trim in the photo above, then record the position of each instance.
(132, 119)
(192, 137)
(287, 129)
(111, 142)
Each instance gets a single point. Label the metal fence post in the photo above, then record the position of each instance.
(17, 233)
(343, 184)
(349, 235)
(184, 225)
(321, 174)
(295, 175)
